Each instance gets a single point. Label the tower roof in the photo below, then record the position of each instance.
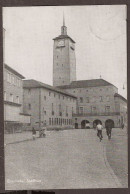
(63, 36)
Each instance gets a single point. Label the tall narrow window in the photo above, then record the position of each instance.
(11, 98)
(52, 109)
(67, 111)
(108, 98)
(49, 121)
(101, 99)
(87, 99)
(93, 109)
(29, 106)
(80, 110)
(17, 99)
(107, 108)
(5, 96)
(81, 99)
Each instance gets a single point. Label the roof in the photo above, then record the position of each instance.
(36, 84)
(13, 71)
(121, 97)
(64, 36)
(86, 83)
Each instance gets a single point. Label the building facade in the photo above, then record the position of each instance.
(64, 62)
(48, 105)
(97, 100)
(13, 100)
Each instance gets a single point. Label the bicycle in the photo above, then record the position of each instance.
(99, 134)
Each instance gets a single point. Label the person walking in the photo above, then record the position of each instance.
(108, 131)
(33, 133)
(99, 131)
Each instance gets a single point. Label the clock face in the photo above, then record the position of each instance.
(61, 43)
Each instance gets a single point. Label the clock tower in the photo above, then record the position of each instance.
(64, 62)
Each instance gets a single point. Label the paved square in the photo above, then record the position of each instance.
(64, 159)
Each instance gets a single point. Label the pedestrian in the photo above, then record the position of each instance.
(33, 133)
(99, 130)
(122, 126)
(108, 130)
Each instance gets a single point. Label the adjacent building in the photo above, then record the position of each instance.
(48, 105)
(14, 117)
(97, 100)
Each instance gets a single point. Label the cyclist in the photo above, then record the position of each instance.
(99, 131)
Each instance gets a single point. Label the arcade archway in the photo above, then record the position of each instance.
(109, 122)
(85, 124)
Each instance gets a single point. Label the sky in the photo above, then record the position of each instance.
(99, 32)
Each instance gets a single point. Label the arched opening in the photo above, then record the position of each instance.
(109, 123)
(85, 124)
(96, 122)
(76, 125)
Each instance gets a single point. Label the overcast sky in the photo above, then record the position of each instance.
(99, 33)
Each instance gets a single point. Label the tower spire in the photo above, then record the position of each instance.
(63, 28)
(63, 19)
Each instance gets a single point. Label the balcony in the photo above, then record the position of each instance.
(96, 114)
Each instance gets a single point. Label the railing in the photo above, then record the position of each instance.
(96, 114)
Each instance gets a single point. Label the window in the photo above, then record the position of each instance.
(11, 98)
(74, 91)
(4, 95)
(101, 100)
(80, 110)
(44, 112)
(59, 96)
(108, 98)
(49, 121)
(49, 93)
(12, 79)
(44, 97)
(29, 106)
(94, 109)
(55, 121)
(72, 110)
(81, 100)
(57, 56)
(107, 108)
(8, 77)
(52, 121)
(52, 109)
(17, 99)
(87, 99)
(29, 92)
(67, 111)
(62, 65)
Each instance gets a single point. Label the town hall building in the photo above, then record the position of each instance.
(97, 99)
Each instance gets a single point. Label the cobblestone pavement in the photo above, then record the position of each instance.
(64, 159)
